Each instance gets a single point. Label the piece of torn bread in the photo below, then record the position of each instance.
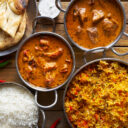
(18, 6)
(7, 41)
(9, 21)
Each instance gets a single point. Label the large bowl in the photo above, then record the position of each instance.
(98, 48)
(78, 71)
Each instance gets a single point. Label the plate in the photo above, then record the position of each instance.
(31, 14)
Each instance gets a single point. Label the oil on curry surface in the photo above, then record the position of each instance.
(45, 61)
(93, 24)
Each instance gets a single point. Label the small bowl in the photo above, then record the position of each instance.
(53, 14)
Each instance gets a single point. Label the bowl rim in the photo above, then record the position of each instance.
(96, 48)
(67, 44)
(79, 70)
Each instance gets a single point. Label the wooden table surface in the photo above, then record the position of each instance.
(9, 73)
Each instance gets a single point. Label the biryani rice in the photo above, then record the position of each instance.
(97, 97)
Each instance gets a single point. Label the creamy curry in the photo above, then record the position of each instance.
(45, 61)
(94, 23)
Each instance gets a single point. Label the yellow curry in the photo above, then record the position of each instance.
(45, 61)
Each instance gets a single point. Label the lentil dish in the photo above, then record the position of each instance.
(94, 23)
(45, 61)
(97, 97)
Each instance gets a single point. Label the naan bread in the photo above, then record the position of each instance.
(18, 6)
(7, 41)
(9, 21)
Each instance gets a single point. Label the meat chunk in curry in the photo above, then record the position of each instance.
(79, 29)
(109, 26)
(97, 15)
(49, 78)
(93, 34)
(29, 58)
(55, 54)
(64, 68)
(27, 55)
(68, 61)
(49, 66)
(109, 15)
(44, 44)
(80, 13)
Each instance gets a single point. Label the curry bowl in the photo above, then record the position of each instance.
(49, 62)
(93, 25)
(33, 54)
(96, 95)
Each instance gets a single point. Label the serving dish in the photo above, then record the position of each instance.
(86, 67)
(41, 112)
(31, 14)
(48, 8)
(98, 48)
(40, 88)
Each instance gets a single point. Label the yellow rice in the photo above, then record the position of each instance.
(98, 96)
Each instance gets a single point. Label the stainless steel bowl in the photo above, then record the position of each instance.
(40, 88)
(79, 70)
(40, 111)
(98, 48)
(55, 14)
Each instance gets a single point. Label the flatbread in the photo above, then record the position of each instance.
(7, 41)
(9, 21)
(18, 6)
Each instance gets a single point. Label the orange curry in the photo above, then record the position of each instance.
(94, 23)
(45, 61)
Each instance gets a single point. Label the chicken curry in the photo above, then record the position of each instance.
(94, 23)
(45, 61)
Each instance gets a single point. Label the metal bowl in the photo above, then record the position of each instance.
(31, 14)
(41, 112)
(52, 16)
(79, 70)
(98, 48)
(40, 88)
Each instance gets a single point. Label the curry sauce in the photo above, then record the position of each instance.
(94, 23)
(45, 61)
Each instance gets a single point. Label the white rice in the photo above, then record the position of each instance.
(17, 108)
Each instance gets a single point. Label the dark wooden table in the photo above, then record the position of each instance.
(9, 73)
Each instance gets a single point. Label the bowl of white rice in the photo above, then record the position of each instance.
(17, 107)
